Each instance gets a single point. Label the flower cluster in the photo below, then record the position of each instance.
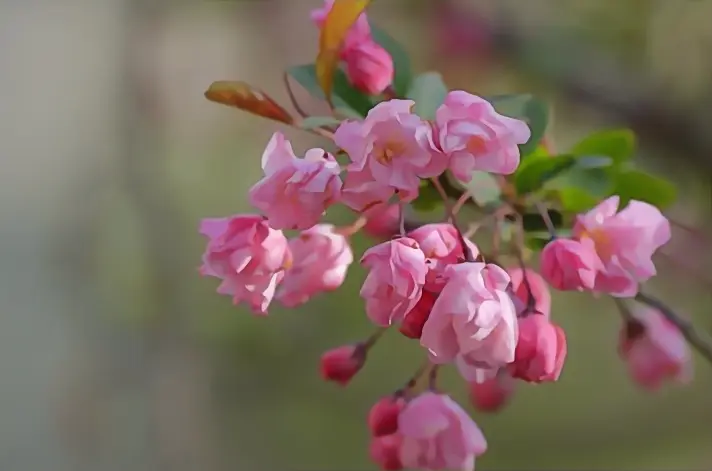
(487, 314)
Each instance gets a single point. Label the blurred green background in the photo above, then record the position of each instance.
(116, 355)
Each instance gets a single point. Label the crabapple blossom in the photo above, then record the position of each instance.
(362, 193)
(248, 256)
(625, 241)
(394, 285)
(412, 324)
(342, 363)
(568, 264)
(438, 434)
(654, 349)
(369, 67)
(385, 451)
(383, 223)
(493, 393)
(383, 416)
(473, 321)
(541, 350)
(538, 289)
(441, 245)
(393, 144)
(321, 258)
(295, 193)
(474, 136)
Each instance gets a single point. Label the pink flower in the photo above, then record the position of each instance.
(295, 193)
(321, 258)
(494, 393)
(395, 280)
(393, 144)
(541, 350)
(654, 349)
(362, 193)
(475, 137)
(384, 222)
(385, 452)
(473, 321)
(437, 434)
(538, 287)
(625, 242)
(248, 256)
(359, 32)
(383, 416)
(412, 325)
(342, 363)
(569, 265)
(369, 67)
(441, 245)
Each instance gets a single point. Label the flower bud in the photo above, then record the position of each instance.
(385, 452)
(342, 363)
(383, 416)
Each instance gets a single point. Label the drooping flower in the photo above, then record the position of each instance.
(295, 193)
(385, 452)
(654, 349)
(437, 434)
(396, 274)
(248, 256)
(412, 324)
(625, 241)
(362, 193)
(341, 364)
(474, 136)
(541, 350)
(493, 393)
(383, 223)
(393, 145)
(570, 265)
(383, 416)
(473, 321)
(369, 67)
(538, 289)
(321, 258)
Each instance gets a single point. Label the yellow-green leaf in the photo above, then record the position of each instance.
(338, 21)
(243, 96)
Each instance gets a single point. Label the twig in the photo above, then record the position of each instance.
(469, 256)
(699, 341)
(461, 201)
(401, 219)
(292, 98)
(547, 219)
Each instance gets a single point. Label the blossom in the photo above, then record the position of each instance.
(474, 136)
(321, 258)
(383, 223)
(541, 350)
(385, 452)
(342, 363)
(438, 434)
(362, 193)
(473, 321)
(393, 144)
(625, 241)
(369, 67)
(493, 393)
(537, 288)
(359, 32)
(248, 256)
(654, 349)
(412, 325)
(295, 193)
(568, 264)
(383, 416)
(442, 247)
(395, 280)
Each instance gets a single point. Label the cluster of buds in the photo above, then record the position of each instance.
(489, 318)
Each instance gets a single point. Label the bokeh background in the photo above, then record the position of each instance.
(116, 355)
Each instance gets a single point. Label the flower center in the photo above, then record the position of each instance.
(602, 242)
(476, 145)
(386, 152)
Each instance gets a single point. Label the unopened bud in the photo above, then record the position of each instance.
(412, 325)
(383, 416)
(385, 452)
(342, 363)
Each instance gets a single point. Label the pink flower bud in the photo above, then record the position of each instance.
(493, 393)
(383, 416)
(383, 224)
(412, 325)
(474, 136)
(396, 274)
(295, 192)
(342, 363)
(569, 265)
(385, 452)
(541, 350)
(369, 67)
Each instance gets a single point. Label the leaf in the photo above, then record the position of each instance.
(642, 186)
(576, 200)
(243, 96)
(483, 188)
(536, 172)
(312, 122)
(527, 108)
(428, 198)
(342, 15)
(345, 98)
(618, 144)
(428, 91)
(533, 222)
(401, 60)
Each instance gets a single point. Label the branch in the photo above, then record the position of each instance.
(697, 339)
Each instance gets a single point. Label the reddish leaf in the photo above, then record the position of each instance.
(243, 96)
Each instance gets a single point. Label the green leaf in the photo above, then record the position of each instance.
(483, 188)
(344, 95)
(533, 222)
(428, 91)
(527, 108)
(401, 60)
(618, 144)
(313, 122)
(428, 198)
(563, 170)
(641, 186)
(536, 243)
(576, 200)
